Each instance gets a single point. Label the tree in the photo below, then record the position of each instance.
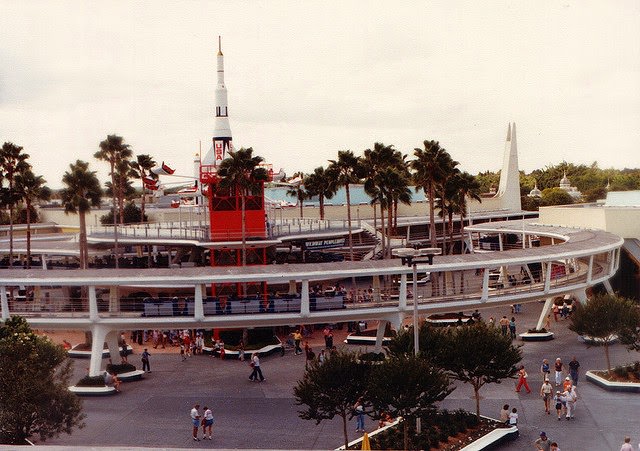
(114, 151)
(298, 191)
(33, 386)
(555, 196)
(12, 162)
(606, 317)
(141, 169)
(331, 388)
(429, 168)
(131, 215)
(476, 354)
(82, 191)
(241, 174)
(407, 386)
(31, 188)
(346, 170)
(319, 183)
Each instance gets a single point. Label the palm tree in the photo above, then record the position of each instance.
(82, 191)
(298, 191)
(12, 162)
(319, 183)
(373, 163)
(397, 180)
(346, 170)
(429, 168)
(140, 169)
(241, 174)
(467, 187)
(113, 150)
(31, 188)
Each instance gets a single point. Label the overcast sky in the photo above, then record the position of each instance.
(307, 79)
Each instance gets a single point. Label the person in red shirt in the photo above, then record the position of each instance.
(522, 380)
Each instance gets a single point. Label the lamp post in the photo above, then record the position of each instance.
(410, 257)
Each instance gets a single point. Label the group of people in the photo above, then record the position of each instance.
(507, 327)
(206, 421)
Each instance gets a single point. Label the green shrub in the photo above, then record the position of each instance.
(373, 356)
(91, 381)
(120, 368)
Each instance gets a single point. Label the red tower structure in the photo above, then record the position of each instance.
(225, 204)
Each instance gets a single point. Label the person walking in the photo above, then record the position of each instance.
(522, 380)
(297, 338)
(207, 423)
(559, 404)
(504, 325)
(512, 327)
(546, 392)
(543, 443)
(558, 368)
(124, 351)
(195, 421)
(358, 407)
(556, 310)
(257, 371)
(574, 366)
(145, 361)
(545, 369)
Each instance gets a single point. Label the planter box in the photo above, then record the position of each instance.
(536, 336)
(492, 439)
(486, 442)
(594, 341)
(353, 339)
(78, 354)
(633, 387)
(131, 376)
(93, 391)
(233, 355)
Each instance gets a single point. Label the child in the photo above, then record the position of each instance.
(513, 417)
(182, 352)
(558, 401)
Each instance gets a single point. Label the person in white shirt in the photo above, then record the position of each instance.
(207, 423)
(626, 446)
(195, 421)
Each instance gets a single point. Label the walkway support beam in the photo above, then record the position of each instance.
(305, 307)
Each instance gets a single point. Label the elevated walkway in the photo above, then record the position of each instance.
(575, 260)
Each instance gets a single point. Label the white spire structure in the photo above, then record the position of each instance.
(222, 139)
(509, 188)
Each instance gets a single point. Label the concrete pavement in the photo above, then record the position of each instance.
(155, 412)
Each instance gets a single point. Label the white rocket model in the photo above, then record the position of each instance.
(222, 131)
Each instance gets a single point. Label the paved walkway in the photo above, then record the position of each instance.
(154, 412)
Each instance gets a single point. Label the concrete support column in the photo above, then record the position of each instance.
(98, 334)
(402, 299)
(4, 301)
(590, 270)
(376, 288)
(43, 261)
(113, 343)
(382, 325)
(198, 308)
(114, 299)
(547, 276)
(581, 296)
(293, 288)
(546, 309)
(305, 307)
(608, 286)
(93, 303)
(485, 285)
(500, 243)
